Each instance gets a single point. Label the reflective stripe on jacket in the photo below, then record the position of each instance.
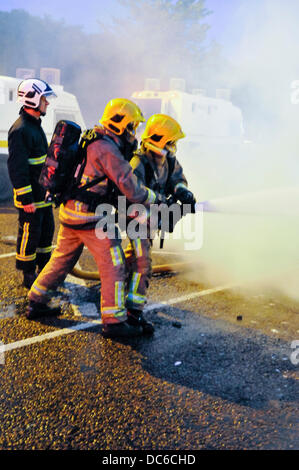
(27, 149)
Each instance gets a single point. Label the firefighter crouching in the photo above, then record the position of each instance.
(156, 166)
(27, 148)
(109, 150)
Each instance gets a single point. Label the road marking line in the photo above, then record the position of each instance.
(52, 334)
(6, 255)
(90, 324)
(194, 295)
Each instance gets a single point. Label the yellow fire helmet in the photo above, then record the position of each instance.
(161, 131)
(120, 112)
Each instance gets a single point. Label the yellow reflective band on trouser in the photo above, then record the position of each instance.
(24, 190)
(26, 257)
(116, 256)
(118, 309)
(119, 294)
(133, 296)
(24, 240)
(37, 160)
(46, 249)
(137, 247)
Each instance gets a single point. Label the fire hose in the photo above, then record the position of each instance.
(158, 269)
(276, 202)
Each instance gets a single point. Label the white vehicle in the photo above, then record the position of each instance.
(213, 128)
(202, 118)
(65, 106)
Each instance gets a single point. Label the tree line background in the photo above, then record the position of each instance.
(158, 39)
(164, 39)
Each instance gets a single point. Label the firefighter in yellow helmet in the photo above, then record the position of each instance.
(155, 164)
(109, 149)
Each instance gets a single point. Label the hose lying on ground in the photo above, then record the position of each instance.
(161, 268)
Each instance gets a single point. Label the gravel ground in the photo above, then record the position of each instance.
(217, 374)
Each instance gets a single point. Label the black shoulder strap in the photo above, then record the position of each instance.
(171, 165)
(89, 136)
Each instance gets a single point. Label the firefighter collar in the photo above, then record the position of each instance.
(30, 118)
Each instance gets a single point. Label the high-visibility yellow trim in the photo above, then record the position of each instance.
(69, 213)
(46, 249)
(133, 294)
(136, 298)
(38, 289)
(26, 257)
(119, 294)
(37, 160)
(25, 238)
(116, 255)
(151, 196)
(38, 205)
(136, 279)
(137, 247)
(78, 206)
(24, 190)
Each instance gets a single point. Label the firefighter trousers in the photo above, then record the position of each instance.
(110, 260)
(34, 242)
(139, 271)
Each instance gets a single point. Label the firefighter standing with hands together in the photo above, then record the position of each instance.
(27, 148)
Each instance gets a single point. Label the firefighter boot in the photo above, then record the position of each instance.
(29, 278)
(38, 310)
(136, 318)
(123, 329)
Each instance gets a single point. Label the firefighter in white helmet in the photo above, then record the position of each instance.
(156, 166)
(109, 150)
(27, 148)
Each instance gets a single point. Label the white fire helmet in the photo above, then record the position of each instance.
(31, 90)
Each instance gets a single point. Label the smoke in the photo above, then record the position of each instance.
(254, 184)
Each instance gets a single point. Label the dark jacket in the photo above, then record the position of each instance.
(27, 148)
(161, 174)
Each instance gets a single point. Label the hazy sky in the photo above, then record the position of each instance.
(226, 26)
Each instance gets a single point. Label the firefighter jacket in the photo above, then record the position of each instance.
(106, 159)
(164, 175)
(27, 149)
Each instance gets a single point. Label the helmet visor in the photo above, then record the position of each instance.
(50, 94)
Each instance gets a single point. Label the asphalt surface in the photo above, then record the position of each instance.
(217, 374)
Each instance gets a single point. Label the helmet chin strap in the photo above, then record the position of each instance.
(42, 113)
